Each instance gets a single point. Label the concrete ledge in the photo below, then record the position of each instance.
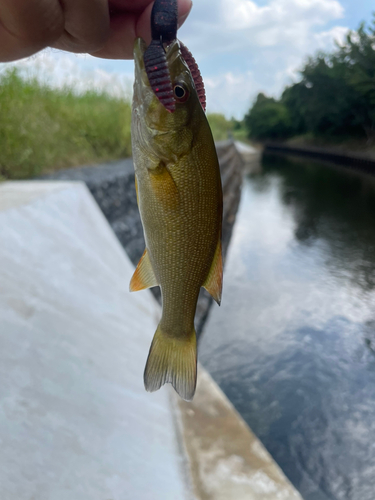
(112, 186)
(75, 420)
(227, 461)
(14, 194)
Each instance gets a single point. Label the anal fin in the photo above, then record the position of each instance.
(144, 276)
(214, 280)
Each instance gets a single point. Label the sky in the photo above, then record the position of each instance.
(243, 47)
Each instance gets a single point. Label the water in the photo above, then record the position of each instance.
(293, 344)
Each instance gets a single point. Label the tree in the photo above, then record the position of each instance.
(357, 55)
(267, 119)
(335, 96)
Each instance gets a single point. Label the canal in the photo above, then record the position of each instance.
(293, 344)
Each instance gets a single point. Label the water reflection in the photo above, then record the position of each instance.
(335, 206)
(293, 345)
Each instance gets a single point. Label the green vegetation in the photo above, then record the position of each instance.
(335, 98)
(268, 119)
(44, 129)
(223, 129)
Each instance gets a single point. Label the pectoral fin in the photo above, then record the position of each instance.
(164, 187)
(144, 276)
(214, 280)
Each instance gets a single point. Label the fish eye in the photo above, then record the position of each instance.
(180, 92)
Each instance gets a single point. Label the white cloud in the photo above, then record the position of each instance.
(246, 14)
(81, 72)
(325, 39)
(228, 91)
(242, 49)
(270, 42)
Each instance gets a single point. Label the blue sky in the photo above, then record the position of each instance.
(242, 47)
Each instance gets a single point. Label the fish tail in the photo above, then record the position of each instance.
(172, 360)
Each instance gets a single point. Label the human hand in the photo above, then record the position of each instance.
(103, 28)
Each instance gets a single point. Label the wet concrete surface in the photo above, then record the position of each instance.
(226, 460)
(75, 420)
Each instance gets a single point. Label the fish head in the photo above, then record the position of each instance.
(167, 134)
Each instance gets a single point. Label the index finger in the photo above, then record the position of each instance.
(129, 5)
(26, 27)
(127, 25)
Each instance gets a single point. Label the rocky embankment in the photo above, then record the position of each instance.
(112, 186)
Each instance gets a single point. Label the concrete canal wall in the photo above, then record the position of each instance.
(75, 420)
(112, 186)
(359, 161)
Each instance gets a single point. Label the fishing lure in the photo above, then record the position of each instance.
(164, 31)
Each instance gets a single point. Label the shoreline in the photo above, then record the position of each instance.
(364, 161)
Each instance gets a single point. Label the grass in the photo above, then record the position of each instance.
(221, 127)
(44, 129)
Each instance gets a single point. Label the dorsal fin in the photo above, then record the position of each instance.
(144, 276)
(214, 280)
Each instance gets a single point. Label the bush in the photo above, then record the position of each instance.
(221, 127)
(335, 98)
(268, 119)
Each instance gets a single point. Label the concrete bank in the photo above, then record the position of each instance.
(359, 161)
(112, 186)
(226, 461)
(251, 156)
(75, 421)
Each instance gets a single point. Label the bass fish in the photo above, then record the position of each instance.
(179, 197)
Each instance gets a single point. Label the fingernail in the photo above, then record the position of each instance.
(182, 19)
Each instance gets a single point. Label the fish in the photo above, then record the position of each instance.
(180, 201)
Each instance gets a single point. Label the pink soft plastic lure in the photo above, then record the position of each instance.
(164, 30)
(195, 73)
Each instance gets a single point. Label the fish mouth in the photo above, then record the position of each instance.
(153, 125)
